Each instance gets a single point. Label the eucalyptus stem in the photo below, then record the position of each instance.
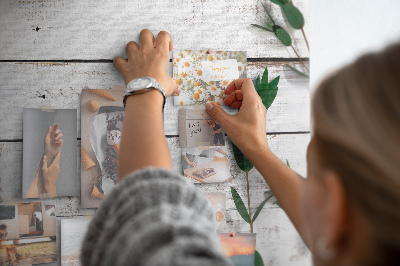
(301, 61)
(305, 38)
(248, 200)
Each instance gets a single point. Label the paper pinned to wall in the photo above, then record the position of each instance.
(204, 76)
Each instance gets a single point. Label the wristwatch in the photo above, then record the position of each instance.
(142, 85)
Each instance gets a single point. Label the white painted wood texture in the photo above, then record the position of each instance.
(277, 240)
(57, 30)
(25, 85)
(100, 29)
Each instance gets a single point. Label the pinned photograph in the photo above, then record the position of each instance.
(102, 114)
(28, 234)
(239, 247)
(72, 234)
(204, 74)
(49, 153)
(218, 201)
(206, 164)
(198, 128)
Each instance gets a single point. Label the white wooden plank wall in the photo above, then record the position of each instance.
(51, 49)
(60, 85)
(99, 29)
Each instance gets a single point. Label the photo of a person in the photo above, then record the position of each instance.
(217, 129)
(44, 182)
(10, 250)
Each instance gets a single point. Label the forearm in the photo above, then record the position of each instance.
(36, 187)
(143, 141)
(283, 181)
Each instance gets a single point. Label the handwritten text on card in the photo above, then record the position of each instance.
(219, 70)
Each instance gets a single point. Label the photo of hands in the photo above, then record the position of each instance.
(49, 159)
(206, 164)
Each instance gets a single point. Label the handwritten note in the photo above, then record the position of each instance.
(219, 70)
(194, 128)
(204, 74)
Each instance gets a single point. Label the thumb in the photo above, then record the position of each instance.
(217, 113)
(49, 131)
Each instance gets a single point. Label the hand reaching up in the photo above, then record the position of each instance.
(52, 142)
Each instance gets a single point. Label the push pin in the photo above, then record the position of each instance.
(208, 51)
(232, 234)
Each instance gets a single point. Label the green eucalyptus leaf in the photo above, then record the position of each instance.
(274, 83)
(269, 97)
(257, 84)
(294, 16)
(241, 160)
(264, 84)
(298, 71)
(279, 205)
(258, 261)
(240, 205)
(269, 15)
(269, 192)
(279, 2)
(261, 27)
(283, 36)
(259, 209)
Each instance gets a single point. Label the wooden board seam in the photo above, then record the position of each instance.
(257, 59)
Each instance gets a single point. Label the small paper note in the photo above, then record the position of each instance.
(203, 76)
(219, 70)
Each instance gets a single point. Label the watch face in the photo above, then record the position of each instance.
(140, 83)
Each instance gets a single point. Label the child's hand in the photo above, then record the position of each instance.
(150, 59)
(250, 121)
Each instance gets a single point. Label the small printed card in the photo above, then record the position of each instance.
(28, 233)
(49, 143)
(218, 201)
(240, 248)
(204, 74)
(198, 128)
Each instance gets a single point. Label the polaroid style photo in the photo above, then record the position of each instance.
(240, 248)
(49, 153)
(28, 233)
(72, 234)
(206, 164)
(102, 114)
(218, 201)
(198, 128)
(204, 74)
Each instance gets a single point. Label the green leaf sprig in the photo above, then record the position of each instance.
(296, 20)
(267, 92)
(279, 32)
(258, 261)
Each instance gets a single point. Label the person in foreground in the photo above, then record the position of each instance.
(346, 210)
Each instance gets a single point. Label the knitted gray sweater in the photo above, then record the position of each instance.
(154, 217)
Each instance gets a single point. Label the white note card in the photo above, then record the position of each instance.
(219, 70)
